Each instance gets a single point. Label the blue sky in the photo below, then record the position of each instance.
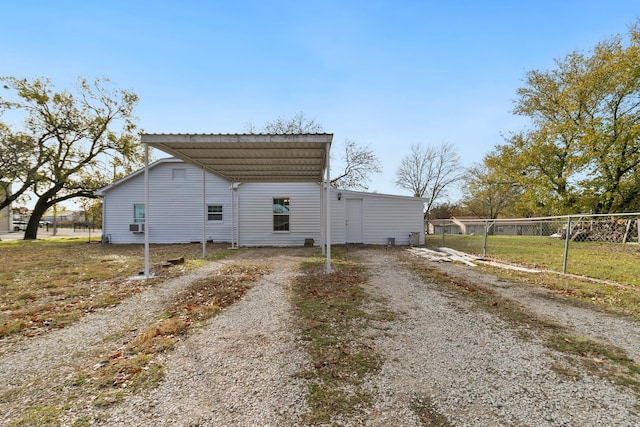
(387, 74)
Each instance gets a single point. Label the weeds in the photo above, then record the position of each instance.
(39, 416)
(134, 367)
(332, 321)
(597, 358)
(50, 284)
(423, 408)
(609, 297)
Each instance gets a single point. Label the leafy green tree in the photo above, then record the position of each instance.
(582, 151)
(487, 194)
(20, 160)
(71, 141)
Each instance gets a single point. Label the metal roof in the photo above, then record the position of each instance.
(250, 157)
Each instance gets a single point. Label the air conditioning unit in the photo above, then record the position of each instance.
(137, 227)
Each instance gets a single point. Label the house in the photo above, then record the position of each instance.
(188, 201)
(5, 213)
(443, 226)
(5, 220)
(476, 226)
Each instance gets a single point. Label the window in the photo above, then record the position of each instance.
(281, 214)
(214, 212)
(178, 174)
(138, 212)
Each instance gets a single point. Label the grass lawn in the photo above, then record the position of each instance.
(615, 265)
(51, 283)
(605, 261)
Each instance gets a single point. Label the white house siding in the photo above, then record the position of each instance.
(384, 216)
(255, 213)
(175, 211)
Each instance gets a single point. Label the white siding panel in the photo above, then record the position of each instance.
(256, 213)
(338, 219)
(392, 217)
(175, 211)
(384, 216)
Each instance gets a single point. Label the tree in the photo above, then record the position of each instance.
(21, 158)
(445, 210)
(358, 162)
(72, 140)
(487, 194)
(91, 211)
(583, 149)
(297, 124)
(429, 172)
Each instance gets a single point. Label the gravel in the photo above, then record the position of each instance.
(237, 371)
(478, 371)
(442, 354)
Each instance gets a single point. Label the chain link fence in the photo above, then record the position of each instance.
(591, 245)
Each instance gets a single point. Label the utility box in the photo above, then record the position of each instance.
(391, 241)
(414, 238)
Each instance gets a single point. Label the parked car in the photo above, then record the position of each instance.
(19, 226)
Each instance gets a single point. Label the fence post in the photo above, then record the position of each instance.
(484, 239)
(443, 227)
(566, 246)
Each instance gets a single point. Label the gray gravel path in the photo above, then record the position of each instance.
(478, 371)
(440, 352)
(239, 370)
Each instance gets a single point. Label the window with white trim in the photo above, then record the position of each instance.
(214, 212)
(281, 214)
(138, 212)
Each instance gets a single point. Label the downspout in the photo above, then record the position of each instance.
(235, 215)
(204, 214)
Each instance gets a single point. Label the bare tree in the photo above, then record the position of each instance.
(283, 126)
(358, 161)
(429, 172)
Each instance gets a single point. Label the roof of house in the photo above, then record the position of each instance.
(251, 157)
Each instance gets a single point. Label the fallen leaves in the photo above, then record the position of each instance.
(200, 300)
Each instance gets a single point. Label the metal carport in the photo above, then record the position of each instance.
(242, 158)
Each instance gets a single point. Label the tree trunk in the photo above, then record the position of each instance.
(34, 222)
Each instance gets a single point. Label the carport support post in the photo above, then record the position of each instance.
(146, 210)
(323, 237)
(328, 211)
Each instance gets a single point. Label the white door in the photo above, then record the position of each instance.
(354, 221)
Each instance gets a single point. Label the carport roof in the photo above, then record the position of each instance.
(250, 157)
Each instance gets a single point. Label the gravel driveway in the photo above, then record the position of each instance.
(467, 365)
